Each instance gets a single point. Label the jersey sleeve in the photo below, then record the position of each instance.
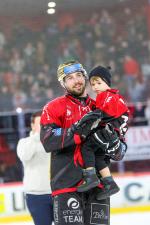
(53, 136)
(112, 105)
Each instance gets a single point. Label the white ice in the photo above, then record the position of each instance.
(142, 218)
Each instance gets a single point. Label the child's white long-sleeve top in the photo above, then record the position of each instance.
(36, 163)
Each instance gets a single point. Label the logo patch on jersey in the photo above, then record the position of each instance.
(57, 131)
(108, 99)
(68, 112)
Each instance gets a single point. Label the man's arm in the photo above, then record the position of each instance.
(57, 139)
(52, 135)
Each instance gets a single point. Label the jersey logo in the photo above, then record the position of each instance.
(45, 112)
(68, 112)
(57, 131)
(86, 109)
(108, 99)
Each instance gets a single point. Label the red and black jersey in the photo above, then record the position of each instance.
(57, 138)
(114, 109)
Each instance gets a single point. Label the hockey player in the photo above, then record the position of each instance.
(58, 117)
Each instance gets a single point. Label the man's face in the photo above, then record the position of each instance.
(75, 84)
(36, 125)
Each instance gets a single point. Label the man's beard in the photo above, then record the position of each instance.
(77, 93)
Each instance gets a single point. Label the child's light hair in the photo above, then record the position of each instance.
(94, 78)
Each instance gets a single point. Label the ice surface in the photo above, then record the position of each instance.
(142, 218)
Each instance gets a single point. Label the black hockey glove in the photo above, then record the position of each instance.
(108, 140)
(87, 124)
(119, 152)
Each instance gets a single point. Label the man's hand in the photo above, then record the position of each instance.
(87, 124)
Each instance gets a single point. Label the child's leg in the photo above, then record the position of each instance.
(88, 155)
(89, 173)
(110, 186)
(105, 172)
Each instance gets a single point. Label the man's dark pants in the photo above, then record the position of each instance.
(41, 208)
(81, 209)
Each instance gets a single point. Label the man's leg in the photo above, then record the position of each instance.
(68, 209)
(41, 208)
(96, 212)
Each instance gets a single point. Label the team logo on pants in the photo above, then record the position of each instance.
(73, 203)
(73, 213)
(67, 210)
(99, 213)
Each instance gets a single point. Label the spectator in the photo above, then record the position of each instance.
(145, 68)
(19, 99)
(36, 174)
(147, 111)
(27, 51)
(139, 115)
(138, 91)
(6, 103)
(17, 63)
(131, 70)
(2, 39)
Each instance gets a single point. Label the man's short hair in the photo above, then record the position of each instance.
(34, 115)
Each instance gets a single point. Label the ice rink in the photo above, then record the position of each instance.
(117, 219)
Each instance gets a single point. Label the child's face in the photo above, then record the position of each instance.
(98, 85)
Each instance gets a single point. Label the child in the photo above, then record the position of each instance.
(115, 113)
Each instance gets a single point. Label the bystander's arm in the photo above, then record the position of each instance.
(28, 146)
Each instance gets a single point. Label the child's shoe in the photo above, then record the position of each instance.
(90, 180)
(110, 188)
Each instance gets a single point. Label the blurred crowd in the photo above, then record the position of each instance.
(29, 59)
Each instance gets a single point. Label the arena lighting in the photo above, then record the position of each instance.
(19, 110)
(51, 11)
(51, 4)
